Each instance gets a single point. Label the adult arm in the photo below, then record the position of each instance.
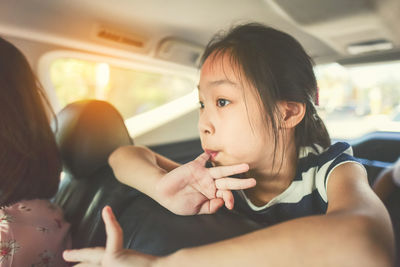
(387, 181)
(186, 189)
(384, 185)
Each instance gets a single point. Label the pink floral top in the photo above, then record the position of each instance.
(33, 233)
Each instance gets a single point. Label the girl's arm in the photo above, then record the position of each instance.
(356, 231)
(139, 167)
(183, 189)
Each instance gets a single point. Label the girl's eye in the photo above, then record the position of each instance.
(222, 102)
(201, 105)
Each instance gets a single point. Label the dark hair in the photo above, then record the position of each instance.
(279, 68)
(30, 165)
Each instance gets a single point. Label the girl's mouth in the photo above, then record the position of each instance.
(212, 153)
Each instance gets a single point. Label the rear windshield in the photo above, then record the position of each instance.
(356, 100)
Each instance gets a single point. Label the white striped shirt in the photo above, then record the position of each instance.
(307, 194)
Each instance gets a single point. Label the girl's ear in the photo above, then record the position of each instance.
(292, 113)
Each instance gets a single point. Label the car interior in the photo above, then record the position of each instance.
(159, 45)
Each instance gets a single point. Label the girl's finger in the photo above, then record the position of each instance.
(88, 255)
(211, 206)
(234, 183)
(227, 196)
(224, 171)
(113, 231)
(202, 159)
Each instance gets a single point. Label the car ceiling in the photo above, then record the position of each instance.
(325, 27)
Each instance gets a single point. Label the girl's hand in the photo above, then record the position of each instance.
(113, 254)
(194, 189)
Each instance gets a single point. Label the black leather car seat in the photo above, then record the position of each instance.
(88, 131)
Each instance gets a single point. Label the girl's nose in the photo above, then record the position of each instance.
(205, 125)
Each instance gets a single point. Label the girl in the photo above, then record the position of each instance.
(257, 92)
(32, 230)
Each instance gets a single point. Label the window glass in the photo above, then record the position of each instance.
(131, 91)
(359, 99)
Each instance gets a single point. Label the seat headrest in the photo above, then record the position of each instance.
(86, 133)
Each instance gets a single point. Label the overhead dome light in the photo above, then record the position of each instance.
(369, 46)
(180, 51)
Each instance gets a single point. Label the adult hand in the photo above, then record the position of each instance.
(194, 189)
(113, 254)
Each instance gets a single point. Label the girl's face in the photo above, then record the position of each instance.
(231, 124)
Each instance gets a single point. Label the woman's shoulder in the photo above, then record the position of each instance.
(33, 212)
(33, 204)
(33, 232)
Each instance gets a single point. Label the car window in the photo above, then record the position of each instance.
(356, 100)
(131, 91)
